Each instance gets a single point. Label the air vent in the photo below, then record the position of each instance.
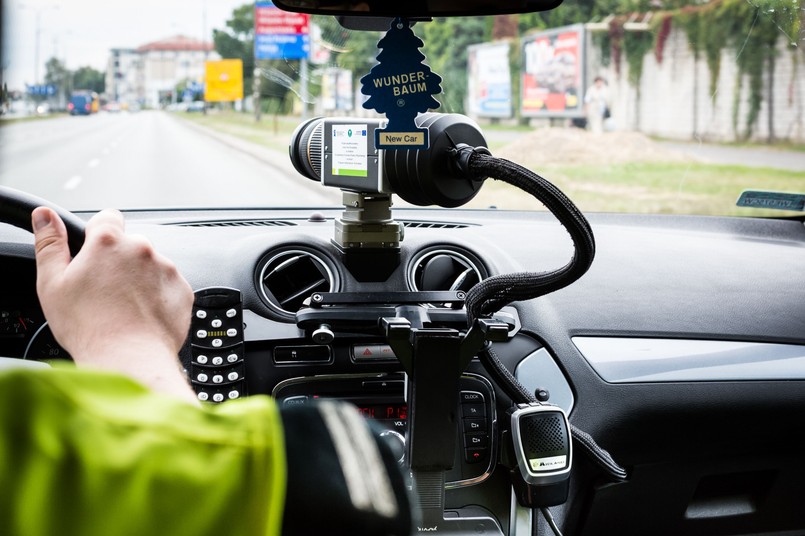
(434, 225)
(444, 269)
(288, 277)
(239, 223)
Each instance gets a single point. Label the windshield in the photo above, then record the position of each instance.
(669, 106)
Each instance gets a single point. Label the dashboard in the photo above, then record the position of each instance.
(681, 351)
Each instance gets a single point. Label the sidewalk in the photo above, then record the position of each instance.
(760, 157)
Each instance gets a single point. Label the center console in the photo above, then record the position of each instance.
(381, 398)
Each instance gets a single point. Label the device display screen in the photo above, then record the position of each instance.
(384, 411)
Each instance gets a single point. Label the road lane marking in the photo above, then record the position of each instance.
(73, 181)
(94, 163)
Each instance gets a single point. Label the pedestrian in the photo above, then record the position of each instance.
(596, 105)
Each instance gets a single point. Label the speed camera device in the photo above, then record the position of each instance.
(340, 152)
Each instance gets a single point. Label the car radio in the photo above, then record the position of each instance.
(381, 398)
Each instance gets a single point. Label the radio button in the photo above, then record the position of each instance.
(474, 425)
(471, 397)
(295, 400)
(476, 441)
(473, 410)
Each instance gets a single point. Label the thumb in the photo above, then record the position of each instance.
(50, 240)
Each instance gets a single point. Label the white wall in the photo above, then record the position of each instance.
(675, 100)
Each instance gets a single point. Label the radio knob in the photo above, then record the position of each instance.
(396, 443)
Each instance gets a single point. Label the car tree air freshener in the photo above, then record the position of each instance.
(401, 87)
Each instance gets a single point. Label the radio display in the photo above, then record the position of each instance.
(384, 411)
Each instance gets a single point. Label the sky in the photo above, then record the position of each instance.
(81, 32)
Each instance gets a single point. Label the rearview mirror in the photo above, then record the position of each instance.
(416, 8)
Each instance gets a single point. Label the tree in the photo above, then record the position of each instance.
(59, 75)
(89, 78)
(446, 41)
(236, 41)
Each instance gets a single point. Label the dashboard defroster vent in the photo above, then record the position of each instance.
(286, 278)
(433, 225)
(445, 268)
(239, 223)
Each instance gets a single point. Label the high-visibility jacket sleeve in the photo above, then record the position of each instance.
(92, 453)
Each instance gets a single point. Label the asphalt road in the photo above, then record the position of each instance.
(142, 160)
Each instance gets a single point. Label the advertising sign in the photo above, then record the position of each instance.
(223, 80)
(552, 81)
(336, 90)
(280, 34)
(489, 84)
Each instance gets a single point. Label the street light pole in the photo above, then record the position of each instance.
(38, 11)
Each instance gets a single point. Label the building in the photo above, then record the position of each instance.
(124, 81)
(149, 74)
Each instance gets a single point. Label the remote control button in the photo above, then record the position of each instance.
(216, 323)
(201, 334)
(218, 397)
(217, 360)
(203, 396)
(231, 358)
(202, 377)
(216, 343)
(217, 378)
(231, 332)
(201, 314)
(231, 313)
(232, 376)
(202, 359)
(233, 395)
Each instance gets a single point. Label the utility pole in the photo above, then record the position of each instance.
(38, 12)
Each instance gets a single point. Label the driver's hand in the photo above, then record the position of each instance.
(118, 305)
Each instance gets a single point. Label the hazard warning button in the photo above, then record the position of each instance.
(372, 352)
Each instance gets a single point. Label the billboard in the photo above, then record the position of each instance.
(223, 80)
(336, 89)
(280, 34)
(552, 77)
(489, 86)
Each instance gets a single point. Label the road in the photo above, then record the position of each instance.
(142, 160)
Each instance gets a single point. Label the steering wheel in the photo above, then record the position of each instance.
(16, 207)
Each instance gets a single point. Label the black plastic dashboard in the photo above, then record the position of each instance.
(717, 452)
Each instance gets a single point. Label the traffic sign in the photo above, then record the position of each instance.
(280, 34)
(44, 90)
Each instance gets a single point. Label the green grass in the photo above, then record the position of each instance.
(656, 188)
(6, 119)
(271, 132)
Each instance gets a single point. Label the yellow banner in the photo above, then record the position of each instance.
(223, 81)
(402, 138)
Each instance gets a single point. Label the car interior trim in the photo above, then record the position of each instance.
(630, 360)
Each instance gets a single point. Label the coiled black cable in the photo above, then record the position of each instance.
(493, 293)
